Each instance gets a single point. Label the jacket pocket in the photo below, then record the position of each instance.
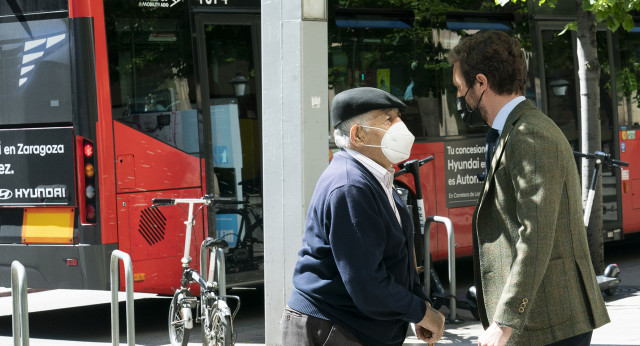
(552, 303)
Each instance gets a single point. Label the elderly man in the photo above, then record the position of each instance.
(355, 281)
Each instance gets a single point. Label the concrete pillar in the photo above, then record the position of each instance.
(295, 141)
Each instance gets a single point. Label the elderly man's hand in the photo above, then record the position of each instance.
(431, 328)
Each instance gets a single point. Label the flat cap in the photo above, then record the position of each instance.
(356, 101)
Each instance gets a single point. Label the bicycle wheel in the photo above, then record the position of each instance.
(178, 334)
(219, 331)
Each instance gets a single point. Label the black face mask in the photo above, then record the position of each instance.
(470, 117)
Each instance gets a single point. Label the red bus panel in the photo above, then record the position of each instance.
(629, 149)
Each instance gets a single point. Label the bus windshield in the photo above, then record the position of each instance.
(35, 82)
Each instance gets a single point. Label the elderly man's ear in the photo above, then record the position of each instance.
(357, 135)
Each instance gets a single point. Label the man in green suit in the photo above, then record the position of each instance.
(534, 279)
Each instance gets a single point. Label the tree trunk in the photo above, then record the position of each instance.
(589, 75)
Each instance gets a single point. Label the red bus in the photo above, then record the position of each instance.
(403, 50)
(106, 105)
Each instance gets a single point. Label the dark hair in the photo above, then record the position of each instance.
(496, 55)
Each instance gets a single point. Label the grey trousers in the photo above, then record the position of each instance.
(299, 329)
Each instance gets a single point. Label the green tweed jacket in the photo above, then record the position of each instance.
(531, 259)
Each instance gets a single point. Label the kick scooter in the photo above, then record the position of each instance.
(437, 292)
(609, 281)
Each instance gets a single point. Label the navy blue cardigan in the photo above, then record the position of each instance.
(356, 266)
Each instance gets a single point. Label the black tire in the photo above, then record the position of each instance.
(221, 331)
(178, 334)
(473, 302)
(222, 327)
(612, 291)
(474, 312)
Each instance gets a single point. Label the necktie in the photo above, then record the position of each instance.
(492, 138)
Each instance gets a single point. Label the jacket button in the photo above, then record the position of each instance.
(525, 300)
(521, 309)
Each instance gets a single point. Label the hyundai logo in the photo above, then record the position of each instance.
(5, 194)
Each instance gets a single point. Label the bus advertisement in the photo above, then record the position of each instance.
(106, 105)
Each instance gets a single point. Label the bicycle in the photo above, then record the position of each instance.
(212, 311)
(245, 250)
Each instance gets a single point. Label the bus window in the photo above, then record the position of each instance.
(35, 87)
(400, 52)
(561, 82)
(153, 88)
(233, 103)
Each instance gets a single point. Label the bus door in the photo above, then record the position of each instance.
(229, 67)
(561, 101)
(156, 137)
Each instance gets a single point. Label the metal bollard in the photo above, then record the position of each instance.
(451, 261)
(20, 307)
(115, 320)
(221, 275)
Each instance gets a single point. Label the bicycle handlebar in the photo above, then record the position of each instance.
(603, 157)
(207, 199)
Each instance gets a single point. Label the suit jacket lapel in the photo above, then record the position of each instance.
(509, 125)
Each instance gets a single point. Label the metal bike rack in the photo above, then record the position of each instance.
(20, 307)
(451, 261)
(220, 268)
(115, 320)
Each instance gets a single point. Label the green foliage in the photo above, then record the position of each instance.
(550, 3)
(612, 12)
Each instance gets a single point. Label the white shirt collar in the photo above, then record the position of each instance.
(384, 175)
(501, 118)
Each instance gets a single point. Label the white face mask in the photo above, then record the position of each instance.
(396, 143)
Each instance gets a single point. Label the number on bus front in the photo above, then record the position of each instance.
(209, 2)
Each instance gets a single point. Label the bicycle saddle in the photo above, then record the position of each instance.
(219, 243)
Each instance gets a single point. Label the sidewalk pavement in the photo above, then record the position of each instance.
(624, 329)
(623, 308)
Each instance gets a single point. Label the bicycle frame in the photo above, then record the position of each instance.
(186, 259)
